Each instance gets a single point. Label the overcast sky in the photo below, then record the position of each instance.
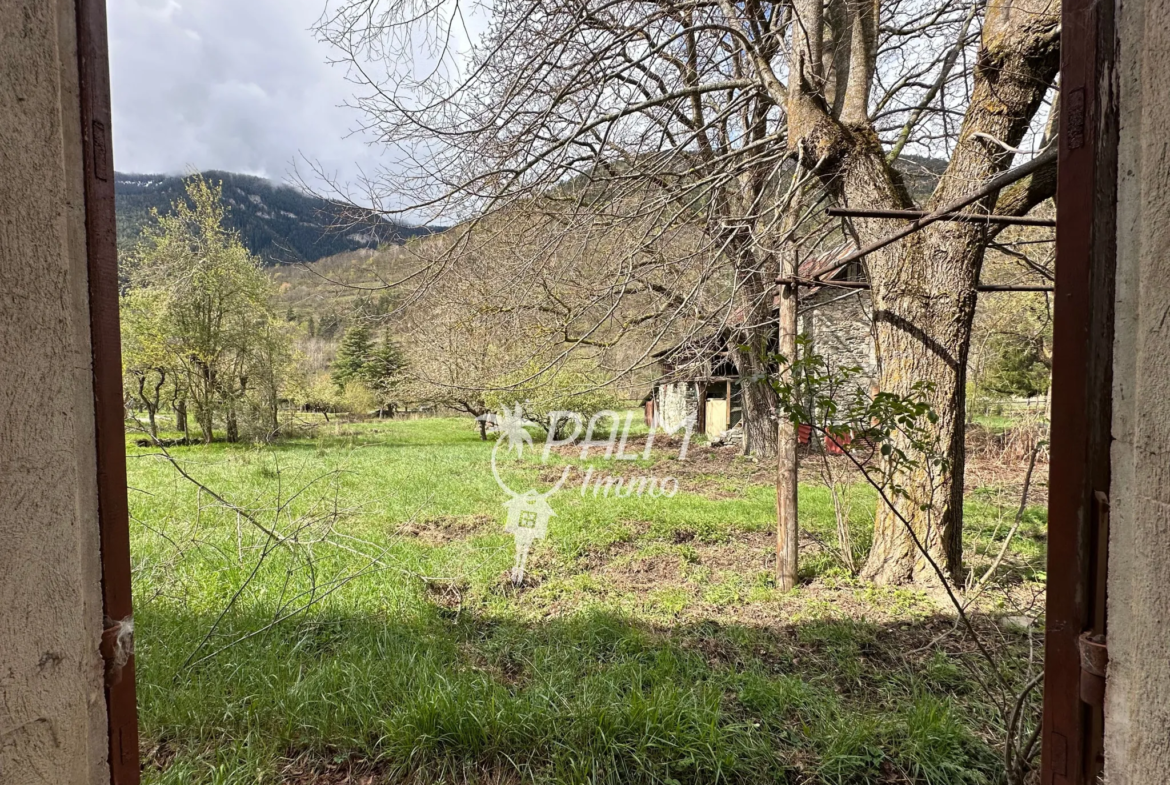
(237, 85)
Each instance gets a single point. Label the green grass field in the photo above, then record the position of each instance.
(378, 638)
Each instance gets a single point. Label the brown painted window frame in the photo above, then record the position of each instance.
(105, 337)
(1082, 387)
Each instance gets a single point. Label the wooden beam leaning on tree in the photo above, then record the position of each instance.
(1043, 162)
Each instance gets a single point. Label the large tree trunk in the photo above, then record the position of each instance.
(759, 404)
(752, 358)
(204, 399)
(271, 397)
(923, 324)
(148, 405)
(234, 398)
(924, 285)
(156, 404)
(232, 427)
(206, 423)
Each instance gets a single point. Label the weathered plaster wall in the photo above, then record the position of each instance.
(1138, 694)
(52, 709)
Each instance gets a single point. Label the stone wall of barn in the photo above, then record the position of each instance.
(840, 326)
(674, 403)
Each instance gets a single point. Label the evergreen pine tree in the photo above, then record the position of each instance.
(355, 351)
(381, 372)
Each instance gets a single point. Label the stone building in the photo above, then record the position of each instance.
(699, 378)
(839, 326)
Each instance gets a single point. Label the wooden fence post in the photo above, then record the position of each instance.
(787, 531)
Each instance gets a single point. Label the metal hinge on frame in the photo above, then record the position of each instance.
(1094, 667)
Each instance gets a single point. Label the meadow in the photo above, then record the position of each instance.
(337, 607)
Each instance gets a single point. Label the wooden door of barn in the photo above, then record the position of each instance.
(716, 417)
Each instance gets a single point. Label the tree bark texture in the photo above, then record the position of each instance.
(232, 427)
(181, 419)
(752, 342)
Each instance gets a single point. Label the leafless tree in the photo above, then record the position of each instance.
(687, 127)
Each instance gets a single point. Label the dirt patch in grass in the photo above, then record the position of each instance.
(1007, 476)
(158, 756)
(503, 668)
(310, 770)
(743, 565)
(745, 552)
(732, 582)
(506, 583)
(447, 594)
(444, 528)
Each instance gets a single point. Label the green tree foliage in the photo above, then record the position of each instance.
(383, 372)
(198, 305)
(320, 394)
(271, 376)
(1016, 365)
(1012, 342)
(357, 398)
(373, 367)
(353, 354)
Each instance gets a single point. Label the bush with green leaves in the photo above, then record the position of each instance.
(833, 402)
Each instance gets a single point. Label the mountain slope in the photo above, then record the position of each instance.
(277, 223)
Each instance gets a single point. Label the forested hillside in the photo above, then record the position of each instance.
(277, 223)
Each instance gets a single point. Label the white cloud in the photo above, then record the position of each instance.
(238, 85)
